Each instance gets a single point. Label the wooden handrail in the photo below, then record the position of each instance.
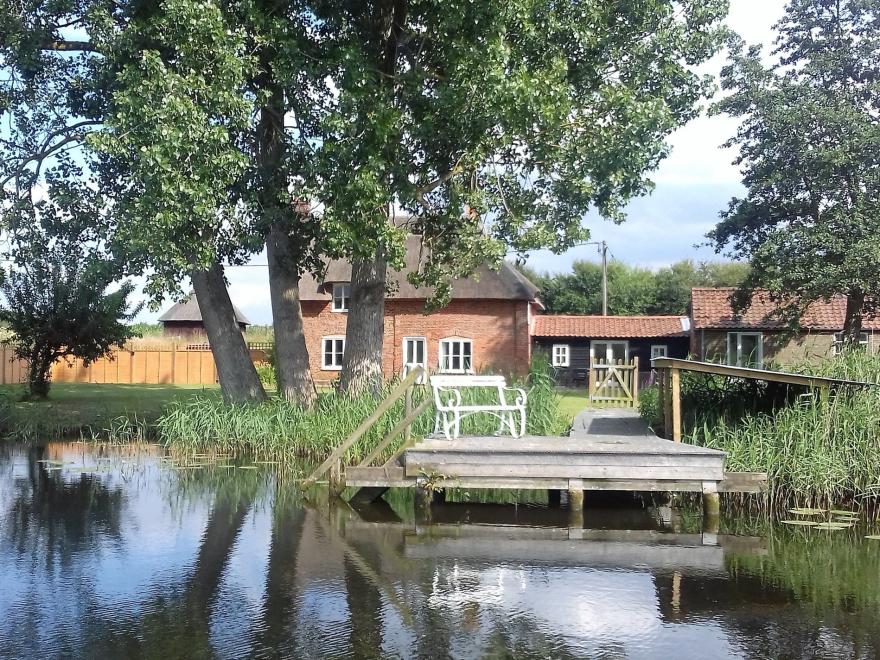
(402, 426)
(365, 425)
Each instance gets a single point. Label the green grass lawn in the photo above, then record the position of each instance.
(572, 401)
(74, 406)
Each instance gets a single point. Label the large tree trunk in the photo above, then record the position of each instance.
(295, 381)
(852, 323)
(238, 377)
(365, 330)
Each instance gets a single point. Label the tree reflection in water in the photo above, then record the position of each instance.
(257, 572)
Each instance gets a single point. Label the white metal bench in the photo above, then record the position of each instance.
(450, 410)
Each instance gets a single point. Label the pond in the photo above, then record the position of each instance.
(117, 551)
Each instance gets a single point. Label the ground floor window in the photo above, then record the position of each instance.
(456, 355)
(333, 350)
(415, 353)
(745, 349)
(837, 346)
(561, 355)
(659, 351)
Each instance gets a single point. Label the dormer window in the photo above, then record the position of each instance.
(341, 296)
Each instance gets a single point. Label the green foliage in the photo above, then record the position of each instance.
(808, 144)
(279, 429)
(634, 290)
(649, 406)
(814, 452)
(266, 372)
(58, 304)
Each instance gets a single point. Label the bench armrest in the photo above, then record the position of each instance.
(446, 398)
(520, 396)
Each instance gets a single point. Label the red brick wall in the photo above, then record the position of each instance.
(499, 330)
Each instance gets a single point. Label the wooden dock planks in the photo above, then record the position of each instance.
(593, 463)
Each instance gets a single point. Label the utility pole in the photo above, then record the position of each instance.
(603, 249)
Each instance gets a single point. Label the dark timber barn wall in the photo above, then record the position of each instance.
(575, 373)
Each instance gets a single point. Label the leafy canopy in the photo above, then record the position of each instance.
(809, 150)
(633, 290)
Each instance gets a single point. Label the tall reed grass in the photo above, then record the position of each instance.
(280, 430)
(815, 451)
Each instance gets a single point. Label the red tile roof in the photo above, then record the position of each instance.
(711, 308)
(552, 325)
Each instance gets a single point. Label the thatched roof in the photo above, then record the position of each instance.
(187, 310)
(506, 283)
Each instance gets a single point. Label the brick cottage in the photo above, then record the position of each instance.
(486, 326)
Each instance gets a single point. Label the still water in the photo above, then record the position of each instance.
(118, 552)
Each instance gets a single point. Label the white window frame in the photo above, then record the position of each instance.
(408, 365)
(332, 366)
(560, 355)
(341, 296)
(609, 342)
(738, 361)
(837, 342)
(441, 354)
(659, 351)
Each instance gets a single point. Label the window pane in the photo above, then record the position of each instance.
(749, 350)
(466, 354)
(618, 351)
(600, 351)
(732, 339)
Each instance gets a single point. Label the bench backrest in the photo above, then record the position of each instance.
(468, 381)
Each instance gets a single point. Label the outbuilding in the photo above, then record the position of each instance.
(574, 342)
(184, 319)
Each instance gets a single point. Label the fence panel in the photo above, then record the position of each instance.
(172, 365)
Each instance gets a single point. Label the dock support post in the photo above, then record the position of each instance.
(576, 494)
(711, 503)
(337, 478)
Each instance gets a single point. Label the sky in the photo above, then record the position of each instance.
(692, 185)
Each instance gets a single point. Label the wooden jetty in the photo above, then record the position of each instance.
(622, 463)
(596, 461)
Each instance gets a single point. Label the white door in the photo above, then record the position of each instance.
(415, 350)
(609, 351)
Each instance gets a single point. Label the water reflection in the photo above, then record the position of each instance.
(114, 552)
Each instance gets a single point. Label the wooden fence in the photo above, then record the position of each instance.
(169, 365)
(614, 383)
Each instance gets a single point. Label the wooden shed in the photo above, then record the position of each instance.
(184, 319)
(572, 342)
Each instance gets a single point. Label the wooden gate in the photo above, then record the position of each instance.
(614, 383)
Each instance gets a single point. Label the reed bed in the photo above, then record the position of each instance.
(815, 452)
(277, 429)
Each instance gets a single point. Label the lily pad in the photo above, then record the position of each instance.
(873, 537)
(799, 523)
(247, 467)
(833, 525)
(807, 512)
(840, 512)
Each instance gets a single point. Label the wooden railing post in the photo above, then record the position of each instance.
(676, 404)
(666, 403)
(591, 380)
(635, 382)
(407, 433)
